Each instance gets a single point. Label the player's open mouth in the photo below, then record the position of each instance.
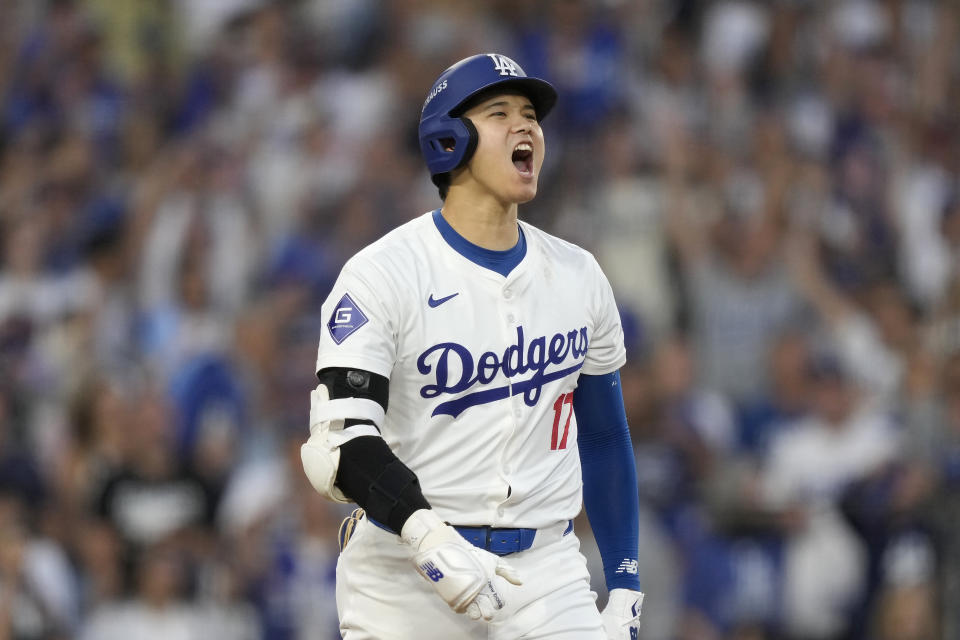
(523, 158)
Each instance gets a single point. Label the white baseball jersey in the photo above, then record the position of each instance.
(482, 367)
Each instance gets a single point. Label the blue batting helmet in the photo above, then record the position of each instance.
(448, 140)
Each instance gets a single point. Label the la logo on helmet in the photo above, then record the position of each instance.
(503, 64)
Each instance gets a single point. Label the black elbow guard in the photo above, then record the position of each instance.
(372, 475)
(369, 473)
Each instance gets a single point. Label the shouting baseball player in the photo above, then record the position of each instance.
(469, 399)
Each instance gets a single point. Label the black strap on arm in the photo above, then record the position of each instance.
(355, 383)
(370, 473)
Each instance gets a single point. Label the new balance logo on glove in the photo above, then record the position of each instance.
(635, 610)
(431, 571)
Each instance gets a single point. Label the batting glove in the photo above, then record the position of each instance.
(621, 616)
(459, 572)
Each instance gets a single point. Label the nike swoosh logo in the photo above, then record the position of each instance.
(434, 303)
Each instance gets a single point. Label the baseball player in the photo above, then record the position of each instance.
(469, 399)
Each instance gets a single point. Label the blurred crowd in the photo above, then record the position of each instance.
(773, 189)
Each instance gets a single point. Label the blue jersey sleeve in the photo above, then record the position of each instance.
(609, 476)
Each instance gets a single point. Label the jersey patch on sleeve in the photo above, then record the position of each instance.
(345, 319)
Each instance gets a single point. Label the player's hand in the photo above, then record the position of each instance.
(621, 616)
(460, 573)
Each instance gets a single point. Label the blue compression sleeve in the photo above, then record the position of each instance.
(609, 476)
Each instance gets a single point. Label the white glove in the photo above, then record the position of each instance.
(460, 573)
(621, 616)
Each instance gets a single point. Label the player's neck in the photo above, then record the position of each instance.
(484, 222)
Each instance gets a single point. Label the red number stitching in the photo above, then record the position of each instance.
(565, 398)
(568, 399)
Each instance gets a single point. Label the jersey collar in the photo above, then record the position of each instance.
(502, 262)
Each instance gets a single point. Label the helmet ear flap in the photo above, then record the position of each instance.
(472, 139)
(447, 143)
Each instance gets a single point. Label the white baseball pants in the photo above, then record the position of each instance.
(380, 596)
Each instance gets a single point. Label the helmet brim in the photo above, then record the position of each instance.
(540, 92)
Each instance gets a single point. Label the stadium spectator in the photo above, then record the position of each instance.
(181, 181)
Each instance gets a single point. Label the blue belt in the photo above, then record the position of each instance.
(501, 542)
